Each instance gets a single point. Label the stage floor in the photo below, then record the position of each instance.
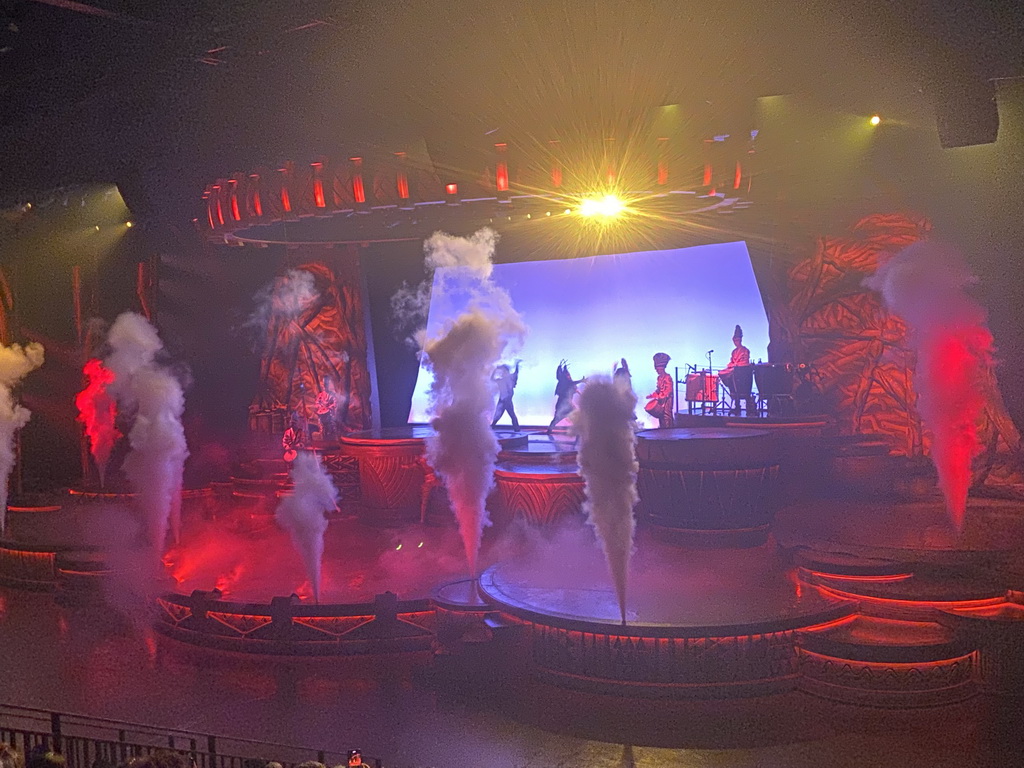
(108, 663)
(75, 660)
(672, 592)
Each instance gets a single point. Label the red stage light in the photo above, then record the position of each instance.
(556, 166)
(401, 177)
(257, 206)
(358, 190)
(501, 174)
(318, 186)
(662, 161)
(217, 204)
(609, 145)
(235, 213)
(451, 189)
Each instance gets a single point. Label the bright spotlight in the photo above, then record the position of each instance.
(129, 224)
(875, 120)
(608, 206)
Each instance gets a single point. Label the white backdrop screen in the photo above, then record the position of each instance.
(592, 311)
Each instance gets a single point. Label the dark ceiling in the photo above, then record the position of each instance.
(162, 96)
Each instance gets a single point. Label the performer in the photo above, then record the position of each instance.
(506, 381)
(564, 391)
(740, 357)
(326, 406)
(661, 400)
(430, 482)
(292, 439)
(623, 381)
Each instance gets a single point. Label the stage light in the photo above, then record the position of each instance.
(129, 224)
(97, 227)
(875, 120)
(608, 206)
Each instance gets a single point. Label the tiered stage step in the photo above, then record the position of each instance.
(886, 662)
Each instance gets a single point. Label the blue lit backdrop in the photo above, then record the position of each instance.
(592, 311)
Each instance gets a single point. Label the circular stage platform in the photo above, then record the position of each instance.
(700, 623)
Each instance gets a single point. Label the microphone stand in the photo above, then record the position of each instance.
(708, 379)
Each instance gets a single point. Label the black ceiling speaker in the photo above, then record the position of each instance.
(966, 112)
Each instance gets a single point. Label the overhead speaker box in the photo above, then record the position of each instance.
(966, 113)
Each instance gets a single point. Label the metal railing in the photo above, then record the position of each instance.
(84, 740)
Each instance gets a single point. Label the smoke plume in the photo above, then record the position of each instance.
(98, 411)
(604, 422)
(462, 356)
(924, 284)
(289, 294)
(302, 513)
(158, 449)
(16, 362)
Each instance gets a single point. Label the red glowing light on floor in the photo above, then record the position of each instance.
(97, 411)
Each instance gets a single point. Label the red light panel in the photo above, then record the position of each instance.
(358, 190)
(318, 186)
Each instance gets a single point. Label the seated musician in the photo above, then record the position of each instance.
(740, 357)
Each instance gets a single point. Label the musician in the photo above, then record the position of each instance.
(564, 391)
(326, 405)
(740, 357)
(661, 400)
(506, 380)
(292, 440)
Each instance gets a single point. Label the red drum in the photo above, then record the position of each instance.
(701, 387)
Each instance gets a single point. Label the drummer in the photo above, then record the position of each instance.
(740, 357)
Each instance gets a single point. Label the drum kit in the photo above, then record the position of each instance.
(776, 384)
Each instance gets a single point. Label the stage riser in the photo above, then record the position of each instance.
(727, 504)
(704, 666)
(540, 501)
(999, 639)
(28, 569)
(283, 628)
(900, 686)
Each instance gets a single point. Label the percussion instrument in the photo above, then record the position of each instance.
(701, 387)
